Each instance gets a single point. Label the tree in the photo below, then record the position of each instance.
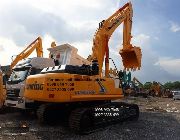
(172, 85)
(147, 85)
(176, 85)
(168, 85)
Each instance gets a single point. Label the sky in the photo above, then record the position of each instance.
(156, 29)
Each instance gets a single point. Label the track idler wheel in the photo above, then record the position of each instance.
(134, 112)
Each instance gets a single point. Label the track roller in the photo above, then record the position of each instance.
(41, 113)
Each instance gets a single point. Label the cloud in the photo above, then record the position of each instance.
(84, 47)
(75, 22)
(151, 70)
(174, 27)
(46, 43)
(66, 21)
(73, 8)
(156, 38)
(8, 44)
(27, 24)
(8, 49)
(1, 48)
(23, 21)
(154, 68)
(171, 65)
(141, 40)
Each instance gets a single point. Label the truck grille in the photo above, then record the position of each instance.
(13, 93)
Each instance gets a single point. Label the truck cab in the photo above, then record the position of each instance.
(16, 83)
(176, 94)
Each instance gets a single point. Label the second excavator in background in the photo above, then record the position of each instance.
(20, 68)
(158, 90)
(6, 71)
(83, 93)
(134, 88)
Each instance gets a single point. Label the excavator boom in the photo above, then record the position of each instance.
(36, 44)
(131, 56)
(136, 80)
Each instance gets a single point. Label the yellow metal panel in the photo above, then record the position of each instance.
(96, 97)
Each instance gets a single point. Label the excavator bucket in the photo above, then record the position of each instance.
(131, 58)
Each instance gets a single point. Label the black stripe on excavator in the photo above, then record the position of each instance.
(82, 70)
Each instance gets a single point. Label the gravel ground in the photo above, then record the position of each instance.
(159, 120)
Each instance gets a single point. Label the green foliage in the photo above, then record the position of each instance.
(172, 85)
(147, 85)
(140, 86)
(176, 85)
(169, 85)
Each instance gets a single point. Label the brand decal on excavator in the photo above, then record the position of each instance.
(34, 86)
(116, 22)
(102, 88)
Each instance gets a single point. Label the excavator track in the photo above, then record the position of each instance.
(46, 114)
(85, 120)
(41, 113)
(81, 120)
(89, 119)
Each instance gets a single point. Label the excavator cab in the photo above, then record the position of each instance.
(131, 57)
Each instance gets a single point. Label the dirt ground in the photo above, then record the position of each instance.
(159, 120)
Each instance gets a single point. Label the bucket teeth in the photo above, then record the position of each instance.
(131, 58)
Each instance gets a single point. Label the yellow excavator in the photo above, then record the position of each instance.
(136, 81)
(83, 93)
(155, 89)
(4, 75)
(2, 90)
(138, 88)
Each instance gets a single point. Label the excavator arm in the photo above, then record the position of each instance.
(35, 45)
(136, 80)
(131, 56)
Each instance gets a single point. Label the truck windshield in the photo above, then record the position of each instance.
(18, 76)
(177, 93)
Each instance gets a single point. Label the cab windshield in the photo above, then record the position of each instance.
(18, 75)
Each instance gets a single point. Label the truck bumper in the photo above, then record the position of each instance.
(20, 103)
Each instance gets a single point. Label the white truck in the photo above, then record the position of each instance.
(16, 83)
(176, 94)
